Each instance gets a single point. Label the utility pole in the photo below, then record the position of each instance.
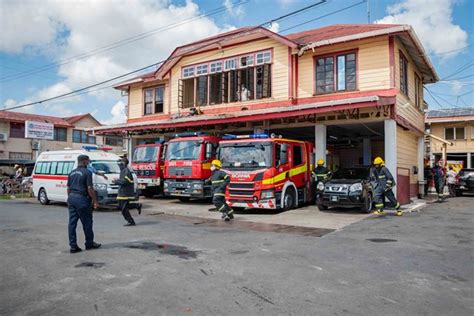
(368, 11)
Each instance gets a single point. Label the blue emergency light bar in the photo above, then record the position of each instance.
(95, 147)
(229, 136)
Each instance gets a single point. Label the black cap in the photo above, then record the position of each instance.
(82, 158)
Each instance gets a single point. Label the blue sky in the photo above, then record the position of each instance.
(58, 32)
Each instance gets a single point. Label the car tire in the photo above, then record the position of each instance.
(289, 199)
(43, 197)
(458, 193)
(368, 204)
(184, 198)
(321, 206)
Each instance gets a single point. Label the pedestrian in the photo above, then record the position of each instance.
(451, 179)
(384, 183)
(439, 175)
(220, 180)
(126, 193)
(18, 173)
(81, 201)
(428, 177)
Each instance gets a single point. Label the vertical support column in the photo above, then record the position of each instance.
(469, 160)
(129, 147)
(320, 138)
(421, 165)
(390, 130)
(367, 151)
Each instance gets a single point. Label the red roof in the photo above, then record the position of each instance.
(22, 117)
(335, 31)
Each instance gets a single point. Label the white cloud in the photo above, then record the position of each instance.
(286, 3)
(118, 114)
(275, 27)
(64, 29)
(433, 23)
(234, 10)
(456, 86)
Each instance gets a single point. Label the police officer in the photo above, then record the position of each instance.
(220, 180)
(126, 193)
(438, 175)
(384, 183)
(81, 199)
(321, 173)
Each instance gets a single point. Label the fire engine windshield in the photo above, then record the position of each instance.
(145, 154)
(183, 150)
(246, 155)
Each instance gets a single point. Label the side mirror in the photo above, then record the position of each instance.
(209, 150)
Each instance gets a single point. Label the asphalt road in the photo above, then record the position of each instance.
(421, 263)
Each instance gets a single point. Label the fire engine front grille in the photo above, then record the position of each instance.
(145, 173)
(239, 185)
(240, 192)
(180, 171)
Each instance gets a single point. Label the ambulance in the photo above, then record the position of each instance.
(53, 167)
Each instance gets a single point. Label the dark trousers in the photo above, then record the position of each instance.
(125, 206)
(80, 208)
(452, 192)
(221, 205)
(379, 198)
(439, 186)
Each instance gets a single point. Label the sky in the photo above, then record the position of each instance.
(48, 47)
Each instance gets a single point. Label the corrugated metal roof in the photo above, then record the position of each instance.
(453, 112)
(22, 117)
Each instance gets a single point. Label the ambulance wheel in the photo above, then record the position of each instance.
(184, 198)
(368, 204)
(289, 199)
(43, 197)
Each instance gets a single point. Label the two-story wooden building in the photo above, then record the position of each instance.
(355, 90)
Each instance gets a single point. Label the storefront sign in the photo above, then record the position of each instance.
(39, 130)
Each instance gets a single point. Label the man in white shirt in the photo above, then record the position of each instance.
(451, 175)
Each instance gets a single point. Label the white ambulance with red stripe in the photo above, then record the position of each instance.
(53, 167)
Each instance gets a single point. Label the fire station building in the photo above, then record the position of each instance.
(356, 91)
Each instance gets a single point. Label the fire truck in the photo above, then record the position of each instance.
(148, 165)
(188, 164)
(267, 172)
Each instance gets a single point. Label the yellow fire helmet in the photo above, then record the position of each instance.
(378, 161)
(216, 163)
(320, 162)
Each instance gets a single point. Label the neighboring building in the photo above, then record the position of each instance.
(355, 90)
(457, 126)
(69, 132)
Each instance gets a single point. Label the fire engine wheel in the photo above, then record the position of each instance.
(148, 193)
(289, 199)
(43, 197)
(368, 204)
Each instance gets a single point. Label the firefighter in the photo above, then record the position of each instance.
(126, 193)
(321, 173)
(384, 183)
(439, 175)
(220, 180)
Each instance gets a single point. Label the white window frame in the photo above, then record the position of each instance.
(250, 61)
(454, 132)
(215, 67)
(264, 57)
(201, 69)
(234, 62)
(188, 72)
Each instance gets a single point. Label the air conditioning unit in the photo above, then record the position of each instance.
(3, 137)
(35, 144)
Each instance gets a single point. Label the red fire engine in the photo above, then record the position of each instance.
(147, 163)
(267, 172)
(188, 165)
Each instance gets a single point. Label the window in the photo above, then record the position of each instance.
(188, 93)
(54, 168)
(114, 140)
(418, 92)
(246, 91)
(263, 87)
(19, 156)
(454, 133)
(263, 57)
(216, 67)
(297, 155)
(336, 73)
(281, 154)
(215, 88)
(403, 74)
(17, 130)
(201, 70)
(246, 61)
(79, 136)
(188, 72)
(229, 64)
(60, 134)
(154, 100)
(201, 90)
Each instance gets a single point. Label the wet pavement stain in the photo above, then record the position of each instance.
(166, 249)
(381, 240)
(246, 225)
(95, 265)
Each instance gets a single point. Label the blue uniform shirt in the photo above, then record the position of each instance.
(79, 180)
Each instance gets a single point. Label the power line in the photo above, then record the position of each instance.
(432, 96)
(461, 69)
(450, 51)
(174, 57)
(123, 42)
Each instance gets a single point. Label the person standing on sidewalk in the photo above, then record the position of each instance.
(439, 175)
(126, 193)
(81, 199)
(384, 182)
(220, 180)
(451, 179)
